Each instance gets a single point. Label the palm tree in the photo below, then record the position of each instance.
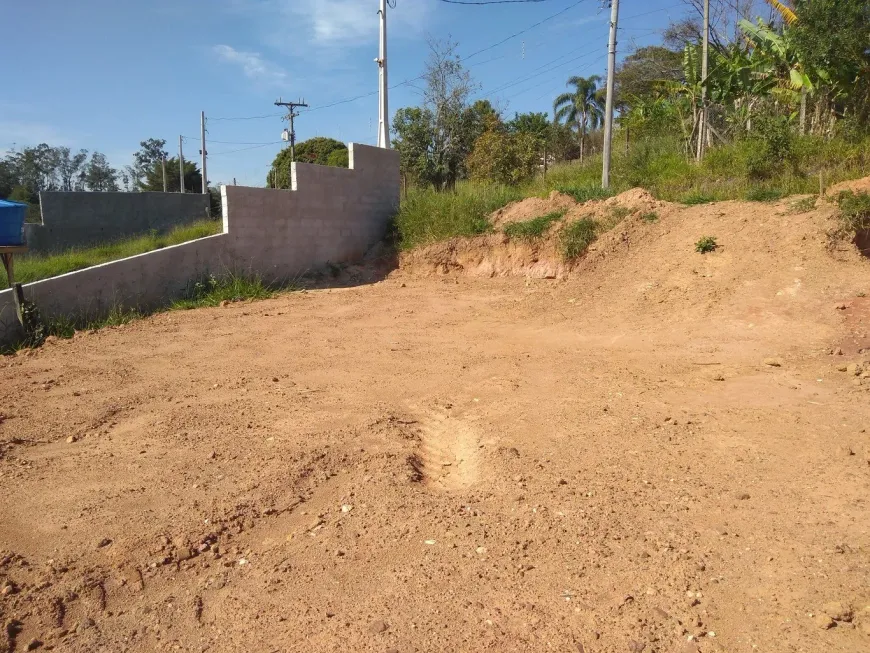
(581, 108)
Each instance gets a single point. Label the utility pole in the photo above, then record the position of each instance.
(292, 107)
(202, 151)
(383, 105)
(163, 164)
(705, 51)
(608, 109)
(181, 162)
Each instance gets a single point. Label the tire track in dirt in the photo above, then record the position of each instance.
(448, 454)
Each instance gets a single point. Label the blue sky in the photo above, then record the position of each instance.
(105, 74)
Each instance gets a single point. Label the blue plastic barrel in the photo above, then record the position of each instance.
(12, 222)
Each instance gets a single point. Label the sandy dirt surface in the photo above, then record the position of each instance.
(664, 452)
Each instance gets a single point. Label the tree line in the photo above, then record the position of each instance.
(27, 172)
(804, 70)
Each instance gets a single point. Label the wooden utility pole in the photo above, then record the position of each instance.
(608, 109)
(705, 53)
(292, 108)
(163, 165)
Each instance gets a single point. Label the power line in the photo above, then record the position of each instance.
(418, 77)
(242, 149)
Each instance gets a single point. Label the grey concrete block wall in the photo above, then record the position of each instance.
(85, 219)
(329, 215)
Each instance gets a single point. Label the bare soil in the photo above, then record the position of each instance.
(662, 451)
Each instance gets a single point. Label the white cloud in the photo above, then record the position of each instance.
(252, 64)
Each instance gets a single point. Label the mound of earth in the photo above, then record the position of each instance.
(530, 208)
(631, 214)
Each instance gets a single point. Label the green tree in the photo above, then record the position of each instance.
(151, 152)
(98, 175)
(580, 108)
(832, 38)
(154, 177)
(319, 151)
(640, 74)
(68, 166)
(505, 157)
(536, 124)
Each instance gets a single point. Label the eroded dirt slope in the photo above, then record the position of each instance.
(659, 453)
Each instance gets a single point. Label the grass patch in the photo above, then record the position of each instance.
(854, 210)
(531, 229)
(427, 216)
(650, 216)
(576, 237)
(33, 267)
(706, 244)
(213, 291)
(803, 205)
(620, 212)
(695, 197)
(758, 194)
(586, 193)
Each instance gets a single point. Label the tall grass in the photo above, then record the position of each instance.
(33, 267)
(534, 228)
(426, 216)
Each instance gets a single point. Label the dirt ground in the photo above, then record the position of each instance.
(661, 451)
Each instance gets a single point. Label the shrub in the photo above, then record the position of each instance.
(706, 244)
(650, 216)
(803, 205)
(772, 146)
(854, 210)
(531, 229)
(504, 158)
(576, 237)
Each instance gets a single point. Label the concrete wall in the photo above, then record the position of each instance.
(331, 215)
(84, 219)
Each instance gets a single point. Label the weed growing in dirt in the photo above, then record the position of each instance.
(706, 244)
(696, 197)
(650, 216)
(576, 237)
(33, 267)
(620, 212)
(757, 194)
(211, 291)
(854, 210)
(586, 193)
(531, 229)
(803, 205)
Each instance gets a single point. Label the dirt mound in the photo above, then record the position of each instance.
(630, 214)
(854, 185)
(531, 208)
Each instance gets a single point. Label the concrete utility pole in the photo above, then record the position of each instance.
(202, 151)
(705, 52)
(608, 109)
(163, 164)
(181, 162)
(292, 107)
(383, 103)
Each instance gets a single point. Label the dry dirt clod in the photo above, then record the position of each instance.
(837, 611)
(742, 496)
(773, 362)
(71, 439)
(378, 626)
(104, 543)
(823, 621)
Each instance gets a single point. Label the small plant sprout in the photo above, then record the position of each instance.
(706, 244)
